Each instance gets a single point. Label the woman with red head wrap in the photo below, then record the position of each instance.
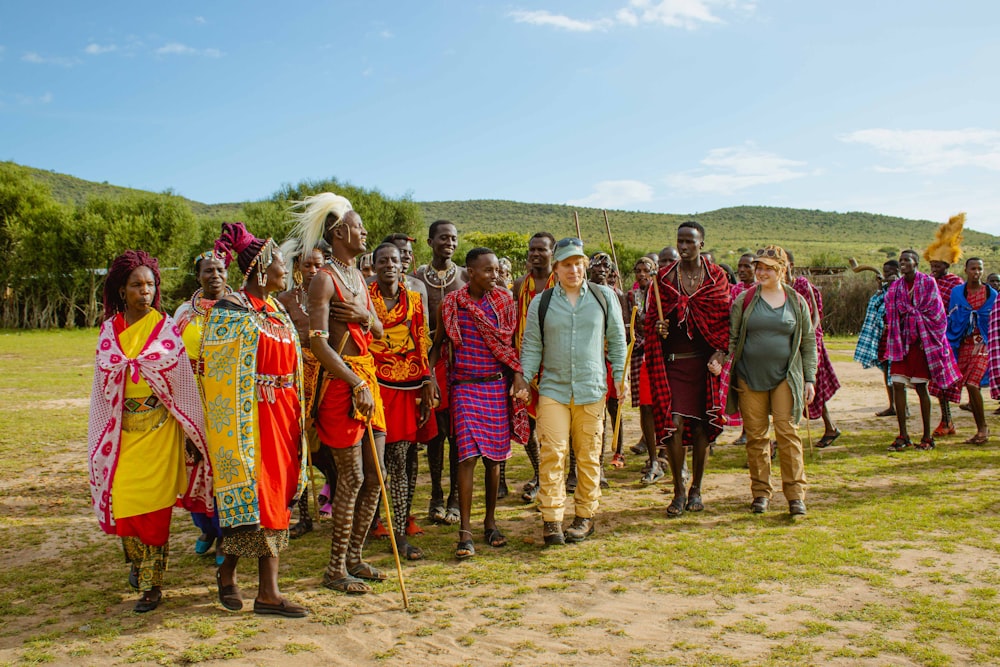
(252, 380)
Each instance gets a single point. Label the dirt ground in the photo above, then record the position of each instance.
(595, 620)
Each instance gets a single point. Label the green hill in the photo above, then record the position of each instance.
(816, 237)
(812, 235)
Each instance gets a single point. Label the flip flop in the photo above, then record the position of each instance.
(494, 537)
(229, 596)
(350, 585)
(676, 506)
(366, 571)
(828, 440)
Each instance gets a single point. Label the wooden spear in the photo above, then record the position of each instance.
(576, 220)
(388, 513)
(628, 360)
(611, 241)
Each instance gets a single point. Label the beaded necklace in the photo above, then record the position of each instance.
(271, 324)
(441, 279)
(345, 270)
(298, 301)
(200, 305)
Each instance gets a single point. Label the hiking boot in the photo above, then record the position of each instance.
(552, 533)
(580, 529)
(760, 504)
(797, 507)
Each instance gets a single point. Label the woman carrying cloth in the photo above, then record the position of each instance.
(143, 404)
(190, 317)
(772, 352)
(252, 380)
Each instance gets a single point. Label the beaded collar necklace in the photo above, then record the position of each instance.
(354, 284)
(441, 279)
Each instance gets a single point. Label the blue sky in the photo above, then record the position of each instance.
(675, 106)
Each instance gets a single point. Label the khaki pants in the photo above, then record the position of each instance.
(756, 407)
(557, 426)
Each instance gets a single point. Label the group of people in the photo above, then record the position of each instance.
(225, 408)
(936, 334)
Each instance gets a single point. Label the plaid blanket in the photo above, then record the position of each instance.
(496, 336)
(827, 383)
(946, 284)
(993, 346)
(920, 319)
(866, 351)
(707, 310)
(965, 319)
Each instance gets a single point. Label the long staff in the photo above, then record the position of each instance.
(576, 221)
(628, 361)
(611, 242)
(809, 435)
(388, 513)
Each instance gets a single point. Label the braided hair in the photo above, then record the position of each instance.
(121, 268)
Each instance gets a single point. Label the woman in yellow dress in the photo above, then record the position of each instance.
(144, 403)
(190, 317)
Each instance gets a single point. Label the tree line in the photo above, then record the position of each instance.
(55, 254)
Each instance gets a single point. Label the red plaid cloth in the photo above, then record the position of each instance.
(946, 284)
(708, 311)
(827, 383)
(496, 336)
(972, 355)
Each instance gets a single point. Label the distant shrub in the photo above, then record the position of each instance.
(845, 298)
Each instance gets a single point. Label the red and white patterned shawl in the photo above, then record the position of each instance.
(164, 365)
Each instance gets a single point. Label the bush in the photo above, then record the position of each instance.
(845, 298)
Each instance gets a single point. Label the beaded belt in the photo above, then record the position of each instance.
(479, 380)
(266, 384)
(143, 414)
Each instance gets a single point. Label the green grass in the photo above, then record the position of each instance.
(888, 566)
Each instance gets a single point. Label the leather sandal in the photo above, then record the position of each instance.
(676, 506)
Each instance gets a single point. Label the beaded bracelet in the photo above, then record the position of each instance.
(319, 333)
(359, 387)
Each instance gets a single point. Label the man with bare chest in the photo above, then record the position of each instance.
(442, 276)
(342, 324)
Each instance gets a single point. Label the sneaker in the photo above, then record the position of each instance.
(653, 475)
(580, 529)
(552, 533)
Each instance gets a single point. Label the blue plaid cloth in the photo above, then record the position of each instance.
(866, 352)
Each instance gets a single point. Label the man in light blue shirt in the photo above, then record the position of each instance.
(582, 325)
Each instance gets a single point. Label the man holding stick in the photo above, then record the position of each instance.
(348, 398)
(687, 333)
(540, 277)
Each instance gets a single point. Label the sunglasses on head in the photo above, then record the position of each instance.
(768, 252)
(562, 243)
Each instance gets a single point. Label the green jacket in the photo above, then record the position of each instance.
(802, 365)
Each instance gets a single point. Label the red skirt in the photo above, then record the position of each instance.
(913, 365)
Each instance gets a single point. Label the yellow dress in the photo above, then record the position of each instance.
(150, 473)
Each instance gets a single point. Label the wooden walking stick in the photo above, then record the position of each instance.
(576, 221)
(628, 360)
(611, 242)
(388, 513)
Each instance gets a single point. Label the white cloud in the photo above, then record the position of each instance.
(200, 20)
(728, 170)
(38, 59)
(178, 49)
(98, 49)
(932, 151)
(616, 194)
(29, 100)
(686, 14)
(542, 17)
(386, 34)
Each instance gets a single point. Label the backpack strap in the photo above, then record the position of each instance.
(546, 298)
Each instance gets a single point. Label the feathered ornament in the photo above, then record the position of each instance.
(310, 216)
(947, 246)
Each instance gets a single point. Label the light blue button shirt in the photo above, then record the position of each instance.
(573, 355)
